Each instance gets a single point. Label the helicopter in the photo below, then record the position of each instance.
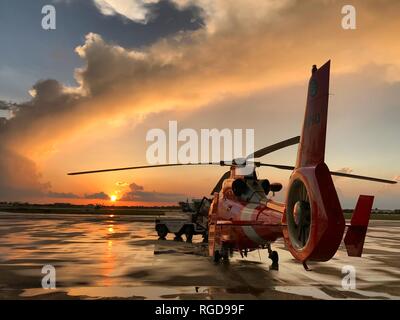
(242, 217)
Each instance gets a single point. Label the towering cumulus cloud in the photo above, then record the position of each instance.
(243, 47)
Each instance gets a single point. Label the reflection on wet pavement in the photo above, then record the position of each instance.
(111, 256)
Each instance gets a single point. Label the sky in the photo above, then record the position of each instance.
(85, 95)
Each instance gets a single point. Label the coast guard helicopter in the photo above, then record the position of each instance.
(242, 218)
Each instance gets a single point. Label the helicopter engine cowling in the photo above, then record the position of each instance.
(239, 187)
(313, 222)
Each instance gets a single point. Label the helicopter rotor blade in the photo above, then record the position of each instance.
(354, 176)
(274, 147)
(218, 186)
(277, 166)
(143, 167)
(257, 154)
(334, 173)
(223, 163)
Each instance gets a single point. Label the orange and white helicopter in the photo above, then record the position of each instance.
(242, 217)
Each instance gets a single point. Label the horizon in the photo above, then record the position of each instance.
(87, 93)
(144, 205)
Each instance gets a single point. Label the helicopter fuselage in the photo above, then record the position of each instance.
(244, 222)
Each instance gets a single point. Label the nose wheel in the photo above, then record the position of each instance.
(273, 255)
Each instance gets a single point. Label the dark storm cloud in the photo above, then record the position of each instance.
(19, 177)
(29, 53)
(99, 196)
(63, 195)
(50, 101)
(137, 193)
(70, 195)
(135, 187)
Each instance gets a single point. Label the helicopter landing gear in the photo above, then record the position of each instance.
(273, 255)
(223, 254)
(188, 232)
(217, 256)
(178, 237)
(162, 232)
(305, 266)
(243, 253)
(225, 251)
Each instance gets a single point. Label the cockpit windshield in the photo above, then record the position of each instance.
(255, 192)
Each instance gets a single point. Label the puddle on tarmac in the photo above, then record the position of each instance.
(103, 257)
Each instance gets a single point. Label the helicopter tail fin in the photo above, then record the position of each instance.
(356, 232)
(312, 144)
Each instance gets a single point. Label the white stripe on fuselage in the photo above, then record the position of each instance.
(249, 231)
(248, 211)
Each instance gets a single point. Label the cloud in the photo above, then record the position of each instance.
(134, 187)
(247, 50)
(19, 177)
(98, 195)
(138, 194)
(70, 195)
(135, 10)
(218, 14)
(63, 195)
(245, 46)
(345, 170)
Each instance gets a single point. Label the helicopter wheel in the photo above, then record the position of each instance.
(189, 234)
(178, 237)
(162, 232)
(273, 255)
(217, 256)
(225, 251)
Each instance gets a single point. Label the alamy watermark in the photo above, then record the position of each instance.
(49, 18)
(207, 146)
(349, 277)
(349, 18)
(49, 280)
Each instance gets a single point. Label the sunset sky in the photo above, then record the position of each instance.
(86, 94)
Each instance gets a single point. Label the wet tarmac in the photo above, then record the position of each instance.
(120, 257)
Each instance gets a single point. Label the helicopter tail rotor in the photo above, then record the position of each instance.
(314, 222)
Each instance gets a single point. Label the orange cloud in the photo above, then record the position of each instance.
(244, 47)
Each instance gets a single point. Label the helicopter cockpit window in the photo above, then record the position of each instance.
(255, 192)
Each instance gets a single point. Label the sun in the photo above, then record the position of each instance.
(113, 198)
